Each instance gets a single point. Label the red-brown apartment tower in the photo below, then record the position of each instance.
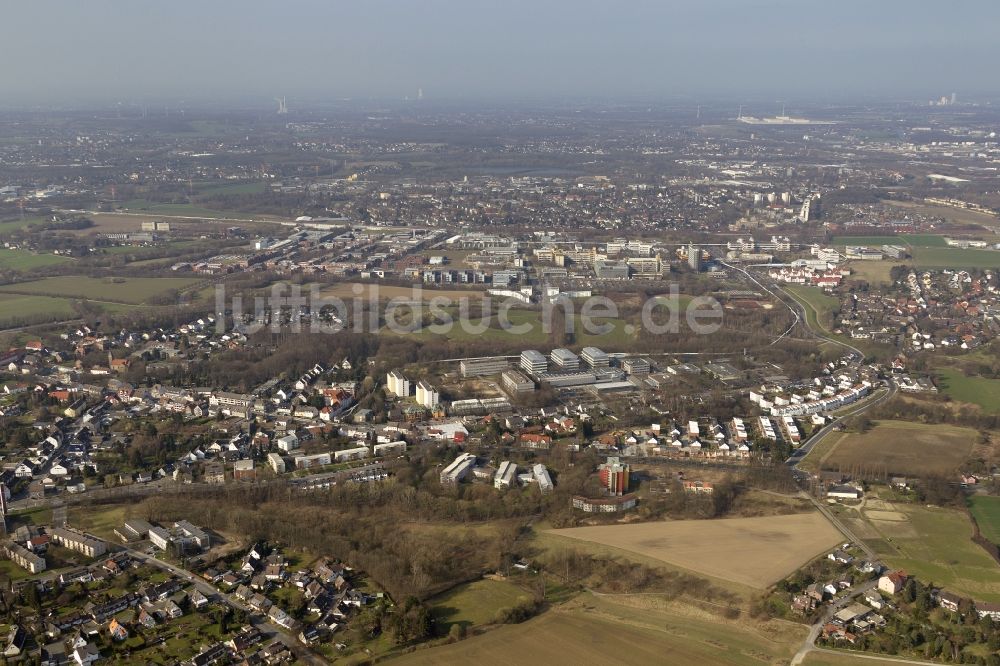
(614, 476)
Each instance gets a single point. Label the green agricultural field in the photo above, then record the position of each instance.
(768, 547)
(475, 604)
(21, 309)
(546, 541)
(932, 543)
(874, 272)
(122, 290)
(8, 226)
(184, 209)
(22, 260)
(954, 257)
(819, 306)
(895, 447)
(621, 335)
(527, 320)
(986, 511)
(910, 240)
(980, 391)
(628, 629)
(455, 258)
(527, 329)
(213, 188)
(14, 308)
(960, 216)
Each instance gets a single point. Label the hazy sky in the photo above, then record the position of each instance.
(215, 49)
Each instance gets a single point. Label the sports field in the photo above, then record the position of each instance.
(875, 272)
(897, 447)
(750, 551)
(594, 629)
(955, 257)
(122, 290)
(981, 391)
(906, 240)
(350, 290)
(986, 511)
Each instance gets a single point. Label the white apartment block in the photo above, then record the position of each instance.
(427, 396)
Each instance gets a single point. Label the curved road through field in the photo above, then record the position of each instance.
(822, 332)
(863, 655)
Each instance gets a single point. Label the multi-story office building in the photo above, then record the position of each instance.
(533, 362)
(595, 358)
(565, 359)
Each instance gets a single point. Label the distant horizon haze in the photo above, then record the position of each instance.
(112, 50)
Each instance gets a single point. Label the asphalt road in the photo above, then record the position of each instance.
(851, 536)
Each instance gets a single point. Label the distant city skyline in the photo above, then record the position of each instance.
(473, 50)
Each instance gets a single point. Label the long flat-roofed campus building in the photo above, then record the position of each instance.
(506, 476)
(515, 382)
(480, 367)
(133, 530)
(458, 468)
(542, 477)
